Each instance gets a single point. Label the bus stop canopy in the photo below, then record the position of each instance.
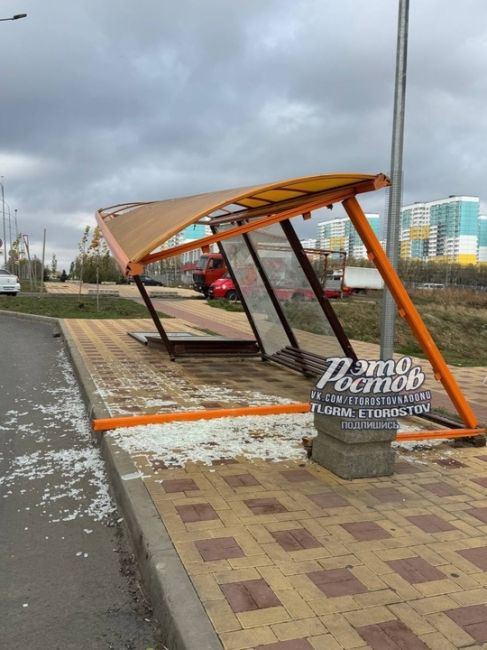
(134, 231)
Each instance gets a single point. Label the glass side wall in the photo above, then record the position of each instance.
(291, 287)
(263, 312)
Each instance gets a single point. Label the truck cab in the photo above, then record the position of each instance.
(209, 267)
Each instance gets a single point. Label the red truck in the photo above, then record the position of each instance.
(209, 267)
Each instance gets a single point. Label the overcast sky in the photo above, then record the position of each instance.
(106, 101)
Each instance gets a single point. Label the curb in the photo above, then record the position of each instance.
(177, 608)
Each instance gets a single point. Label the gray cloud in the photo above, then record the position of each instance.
(109, 101)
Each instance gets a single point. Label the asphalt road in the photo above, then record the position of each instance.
(67, 579)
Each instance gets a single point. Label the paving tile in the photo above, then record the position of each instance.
(179, 485)
(337, 582)
(472, 619)
(480, 481)
(478, 513)
(404, 467)
(220, 548)
(387, 494)
(265, 506)
(366, 530)
(297, 475)
(328, 500)
(477, 556)
(431, 523)
(441, 489)
(449, 463)
(296, 539)
(196, 512)
(415, 570)
(240, 480)
(391, 635)
(482, 457)
(249, 595)
(293, 644)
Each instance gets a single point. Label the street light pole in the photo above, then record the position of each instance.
(16, 17)
(388, 319)
(4, 225)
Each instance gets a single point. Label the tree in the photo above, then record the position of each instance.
(82, 256)
(54, 266)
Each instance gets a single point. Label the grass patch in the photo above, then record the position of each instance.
(227, 305)
(456, 319)
(75, 306)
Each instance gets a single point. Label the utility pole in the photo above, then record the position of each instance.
(43, 260)
(4, 226)
(388, 319)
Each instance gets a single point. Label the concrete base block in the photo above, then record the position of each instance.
(353, 453)
(353, 460)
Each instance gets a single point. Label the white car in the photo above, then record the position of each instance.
(9, 283)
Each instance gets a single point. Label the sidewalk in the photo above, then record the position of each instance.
(281, 554)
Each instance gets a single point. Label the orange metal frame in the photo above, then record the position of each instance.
(408, 311)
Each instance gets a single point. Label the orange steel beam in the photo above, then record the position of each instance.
(408, 311)
(104, 424)
(440, 434)
(333, 196)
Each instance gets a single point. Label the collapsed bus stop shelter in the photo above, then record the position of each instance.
(253, 229)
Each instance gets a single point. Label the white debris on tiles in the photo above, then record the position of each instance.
(271, 437)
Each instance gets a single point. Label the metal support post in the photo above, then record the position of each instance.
(154, 316)
(388, 319)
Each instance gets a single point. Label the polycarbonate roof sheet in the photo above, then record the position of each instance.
(142, 229)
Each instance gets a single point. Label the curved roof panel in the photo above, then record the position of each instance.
(135, 230)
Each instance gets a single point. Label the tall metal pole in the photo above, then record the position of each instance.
(394, 209)
(43, 260)
(4, 226)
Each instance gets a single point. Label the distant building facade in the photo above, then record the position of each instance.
(339, 234)
(483, 239)
(446, 230)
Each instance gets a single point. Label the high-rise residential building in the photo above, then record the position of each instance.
(446, 230)
(339, 234)
(482, 239)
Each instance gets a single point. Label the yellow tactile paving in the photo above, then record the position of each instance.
(287, 555)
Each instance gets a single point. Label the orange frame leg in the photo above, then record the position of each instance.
(408, 311)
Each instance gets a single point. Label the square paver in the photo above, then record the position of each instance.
(328, 500)
(196, 512)
(297, 475)
(265, 506)
(240, 480)
(415, 569)
(472, 619)
(179, 485)
(387, 494)
(296, 539)
(449, 463)
(431, 523)
(366, 530)
(337, 582)
(478, 513)
(221, 548)
(292, 644)
(477, 556)
(441, 489)
(249, 595)
(392, 635)
(404, 467)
